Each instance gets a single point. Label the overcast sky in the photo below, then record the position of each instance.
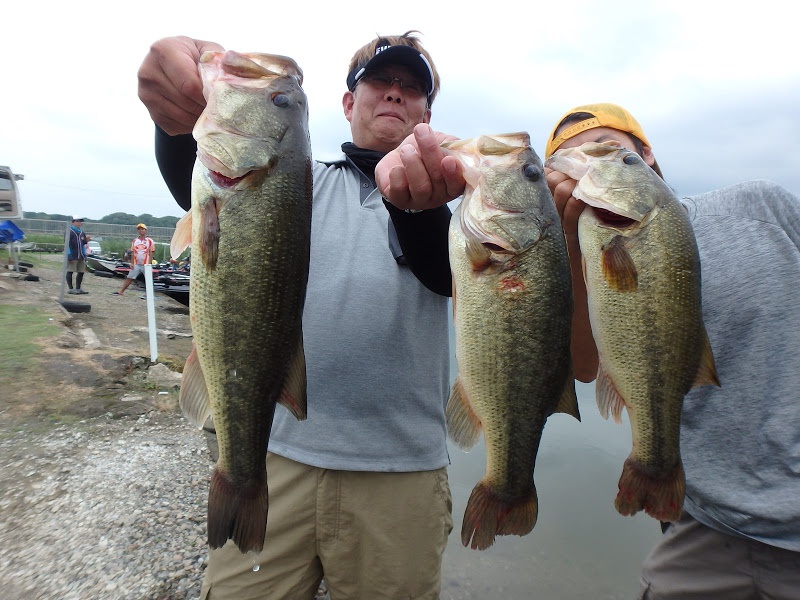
(715, 87)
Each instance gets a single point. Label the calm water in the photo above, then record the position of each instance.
(581, 548)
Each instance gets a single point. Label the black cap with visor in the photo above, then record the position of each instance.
(406, 56)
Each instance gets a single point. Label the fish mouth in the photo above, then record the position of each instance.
(496, 248)
(222, 181)
(612, 219)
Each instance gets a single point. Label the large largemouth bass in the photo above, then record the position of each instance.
(512, 310)
(249, 228)
(642, 273)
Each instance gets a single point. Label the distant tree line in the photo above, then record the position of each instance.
(118, 218)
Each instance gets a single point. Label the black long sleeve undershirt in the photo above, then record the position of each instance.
(422, 236)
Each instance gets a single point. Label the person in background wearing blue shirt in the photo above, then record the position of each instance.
(76, 255)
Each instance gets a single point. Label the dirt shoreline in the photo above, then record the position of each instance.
(96, 356)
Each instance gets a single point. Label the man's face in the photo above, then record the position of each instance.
(142, 231)
(382, 118)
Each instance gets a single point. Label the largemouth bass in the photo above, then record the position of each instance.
(642, 273)
(249, 229)
(512, 310)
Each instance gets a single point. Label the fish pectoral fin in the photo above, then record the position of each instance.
(619, 270)
(209, 233)
(294, 394)
(608, 398)
(706, 370)
(568, 402)
(463, 425)
(478, 255)
(182, 237)
(193, 397)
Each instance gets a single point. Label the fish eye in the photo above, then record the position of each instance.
(280, 100)
(631, 159)
(532, 172)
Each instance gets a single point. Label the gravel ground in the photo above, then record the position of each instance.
(113, 505)
(111, 509)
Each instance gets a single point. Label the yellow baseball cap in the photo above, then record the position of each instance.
(604, 114)
(141, 226)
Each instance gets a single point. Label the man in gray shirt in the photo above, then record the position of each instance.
(358, 492)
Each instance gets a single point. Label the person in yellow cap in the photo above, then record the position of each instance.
(588, 123)
(739, 534)
(142, 250)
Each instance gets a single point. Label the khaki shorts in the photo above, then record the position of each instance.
(373, 536)
(695, 562)
(77, 266)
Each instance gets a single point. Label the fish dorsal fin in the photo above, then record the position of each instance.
(294, 396)
(619, 270)
(707, 370)
(463, 425)
(568, 402)
(193, 397)
(182, 237)
(608, 398)
(600, 149)
(490, 146)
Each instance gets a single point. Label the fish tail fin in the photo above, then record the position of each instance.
(659, 497)
(463, 425)
(488, 515)
(237, 512)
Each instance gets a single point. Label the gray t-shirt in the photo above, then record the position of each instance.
(741, 443)
(375, 340)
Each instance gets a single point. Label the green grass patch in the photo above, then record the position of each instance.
(22, 326)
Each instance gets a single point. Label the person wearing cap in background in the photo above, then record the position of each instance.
(739, 535)
(141, 250)
(76, 255)
(358, 492)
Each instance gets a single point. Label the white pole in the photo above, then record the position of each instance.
(151, 311)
